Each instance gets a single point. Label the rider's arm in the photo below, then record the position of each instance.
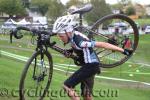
(88, 44)
(113, 47)
(108, 46)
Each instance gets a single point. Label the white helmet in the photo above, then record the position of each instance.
(64, 24)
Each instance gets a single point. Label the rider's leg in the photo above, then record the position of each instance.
(87, 88)
(80, 75)
(72, 94)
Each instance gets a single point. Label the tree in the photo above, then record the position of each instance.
(122, 5)
(100, 9)
(74, 2)
(130, 11)
(26, 3)
(42, 5)
(43, 8)
(12, 7)
(56, 8)
(118, 6)
(125, 2)
(49, 8)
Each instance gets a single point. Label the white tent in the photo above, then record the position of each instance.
(9, 24)
(37, 25)
(9, 21)
(23, 22)
(42, 20)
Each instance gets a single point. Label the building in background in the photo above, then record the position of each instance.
(140, 10)
(147, 7)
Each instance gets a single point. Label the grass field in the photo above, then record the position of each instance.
(142, 22)
(10, 71)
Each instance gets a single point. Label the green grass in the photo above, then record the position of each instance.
(142, 22)
(142, 52)
(11, 70)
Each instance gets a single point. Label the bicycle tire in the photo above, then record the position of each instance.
(26, 70)
(135, 35)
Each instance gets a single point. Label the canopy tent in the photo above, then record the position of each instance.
(9, 24)
(38, 22)
(23, 22)
(38, 25)
(41, 20)
(9, 21)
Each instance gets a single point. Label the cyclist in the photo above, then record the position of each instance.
(83, 47)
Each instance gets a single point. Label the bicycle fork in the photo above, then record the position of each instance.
(42, 68)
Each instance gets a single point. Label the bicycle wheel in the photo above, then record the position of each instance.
(36, 77)
(118, 30)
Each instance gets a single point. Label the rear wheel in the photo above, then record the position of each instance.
(36, 76)
(116, 29)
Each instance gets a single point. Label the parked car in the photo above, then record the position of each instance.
(144, 27)
(147, 30)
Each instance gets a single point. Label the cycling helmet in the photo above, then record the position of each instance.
(64, 24)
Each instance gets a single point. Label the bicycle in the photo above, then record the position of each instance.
(39, 67)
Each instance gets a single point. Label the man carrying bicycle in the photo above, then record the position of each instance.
(83, 47)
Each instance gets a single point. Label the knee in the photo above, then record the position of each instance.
(65, 87)
(68, 90)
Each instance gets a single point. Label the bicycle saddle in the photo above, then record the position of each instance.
(83, 10)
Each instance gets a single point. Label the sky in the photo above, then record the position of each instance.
(115, 1)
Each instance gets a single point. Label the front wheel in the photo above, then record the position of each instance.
(36, 76)
(116, 29)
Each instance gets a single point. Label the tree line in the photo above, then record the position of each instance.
(54, 8)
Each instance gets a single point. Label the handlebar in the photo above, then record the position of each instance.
(34, 31)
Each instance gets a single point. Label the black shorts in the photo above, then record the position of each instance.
(85, 76)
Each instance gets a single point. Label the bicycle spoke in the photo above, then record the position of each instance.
(106, 55)
(98, 52)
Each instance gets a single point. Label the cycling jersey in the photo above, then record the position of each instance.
(83, 47)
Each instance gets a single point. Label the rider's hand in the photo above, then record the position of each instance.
(68, 53)
(127, 52)
(70, 50)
